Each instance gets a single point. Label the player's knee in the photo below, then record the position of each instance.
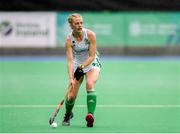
(90, 84)
(71, 97)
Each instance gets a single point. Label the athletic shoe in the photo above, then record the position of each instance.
(67, 118)
(89, 120)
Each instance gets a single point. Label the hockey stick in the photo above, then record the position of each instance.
(52, 118)
(77, 76)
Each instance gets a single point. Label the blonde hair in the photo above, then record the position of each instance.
(74, 15)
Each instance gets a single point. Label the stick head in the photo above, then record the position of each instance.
(51, 120)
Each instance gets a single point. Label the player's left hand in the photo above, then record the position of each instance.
(79, 72)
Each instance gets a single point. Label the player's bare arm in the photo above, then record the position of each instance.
(92, 48)
(69, 59)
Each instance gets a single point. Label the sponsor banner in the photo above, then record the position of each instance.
(127, 29)
(107, 27)
(152, 29)
(63, 28)
(27, 29)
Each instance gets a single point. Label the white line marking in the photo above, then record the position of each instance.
(100, 106)
(90, 133)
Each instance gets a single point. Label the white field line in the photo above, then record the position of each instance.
(100, 106)
(89, 133)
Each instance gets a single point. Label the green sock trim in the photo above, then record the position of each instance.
(69, 106)
(91, 101)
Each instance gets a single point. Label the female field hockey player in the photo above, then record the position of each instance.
(82, 63)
